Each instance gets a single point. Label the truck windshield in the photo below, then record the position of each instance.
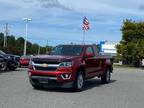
(68, 50)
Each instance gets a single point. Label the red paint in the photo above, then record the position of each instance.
(24, 61)
(94, 64)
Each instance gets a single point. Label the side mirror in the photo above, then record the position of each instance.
(89, 55)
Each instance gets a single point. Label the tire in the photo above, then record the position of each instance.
(79, 82)
(37, 86)
(106, 78)
(5, 66)
(12, 68)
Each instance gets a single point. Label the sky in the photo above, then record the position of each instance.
(60, 21)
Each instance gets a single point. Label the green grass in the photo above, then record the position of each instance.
(125, 66)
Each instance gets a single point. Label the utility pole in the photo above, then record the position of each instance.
(5, 35)
(39, 50)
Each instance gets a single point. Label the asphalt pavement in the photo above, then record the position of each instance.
(126, 90)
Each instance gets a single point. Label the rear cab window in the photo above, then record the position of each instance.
(89, 50)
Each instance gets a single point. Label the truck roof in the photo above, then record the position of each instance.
(95, 48)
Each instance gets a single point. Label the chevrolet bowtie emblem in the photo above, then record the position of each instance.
(45, 65)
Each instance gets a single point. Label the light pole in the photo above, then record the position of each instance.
(26, 34)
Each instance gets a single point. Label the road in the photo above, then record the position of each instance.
(125, 91)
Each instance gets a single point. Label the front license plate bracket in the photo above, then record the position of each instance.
(43, 81)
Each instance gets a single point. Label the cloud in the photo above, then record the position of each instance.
(105, 6)
(53, 3)
(48, 4)
(48, 16)
(141, 7)
(28, 1)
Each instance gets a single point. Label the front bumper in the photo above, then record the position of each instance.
(49, 82)
(48, 78)
(24, 63)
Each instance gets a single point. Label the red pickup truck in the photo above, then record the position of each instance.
(70, 66)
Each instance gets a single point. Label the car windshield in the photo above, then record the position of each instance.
(68, 50)
(2, 53)
(26, 56)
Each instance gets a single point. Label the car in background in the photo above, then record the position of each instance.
(8, 61)
(24, 60)
(3, 62)
(142, 63)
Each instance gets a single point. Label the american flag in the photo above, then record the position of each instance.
(86, 24)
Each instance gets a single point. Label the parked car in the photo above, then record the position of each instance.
(70, 65)
(3, 62)
(142, 63)
(24, 60)
(9, 61)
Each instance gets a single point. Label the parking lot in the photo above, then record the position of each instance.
(125, 91)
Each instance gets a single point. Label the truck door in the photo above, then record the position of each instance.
(98, 61)
(90, 61)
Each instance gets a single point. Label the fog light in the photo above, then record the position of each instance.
(66, 76)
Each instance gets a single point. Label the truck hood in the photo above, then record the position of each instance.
(54, 58)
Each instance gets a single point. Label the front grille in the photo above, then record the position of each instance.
(45, 65)
(45, 68)
(54, 76)
(50, 82)
(45, 61)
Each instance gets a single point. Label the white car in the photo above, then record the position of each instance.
(142, 63)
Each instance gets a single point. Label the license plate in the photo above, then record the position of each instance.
(43, 80)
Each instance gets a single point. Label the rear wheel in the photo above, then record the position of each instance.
(12, 68)
(4, 66)
(79, 81)
(106, 78)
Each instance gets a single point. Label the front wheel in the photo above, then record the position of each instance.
(4, 66)
(106, 78)
(79, 81)
(37, 86)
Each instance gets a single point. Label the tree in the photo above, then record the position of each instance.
(1, 40)
(131, 49)
(16, 46)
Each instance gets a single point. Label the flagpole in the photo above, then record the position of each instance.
(85, 27)
(84, 37)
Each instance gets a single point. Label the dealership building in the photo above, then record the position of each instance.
(108, 47)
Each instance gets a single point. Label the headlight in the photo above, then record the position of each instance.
(31, 63)
(66, 64)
